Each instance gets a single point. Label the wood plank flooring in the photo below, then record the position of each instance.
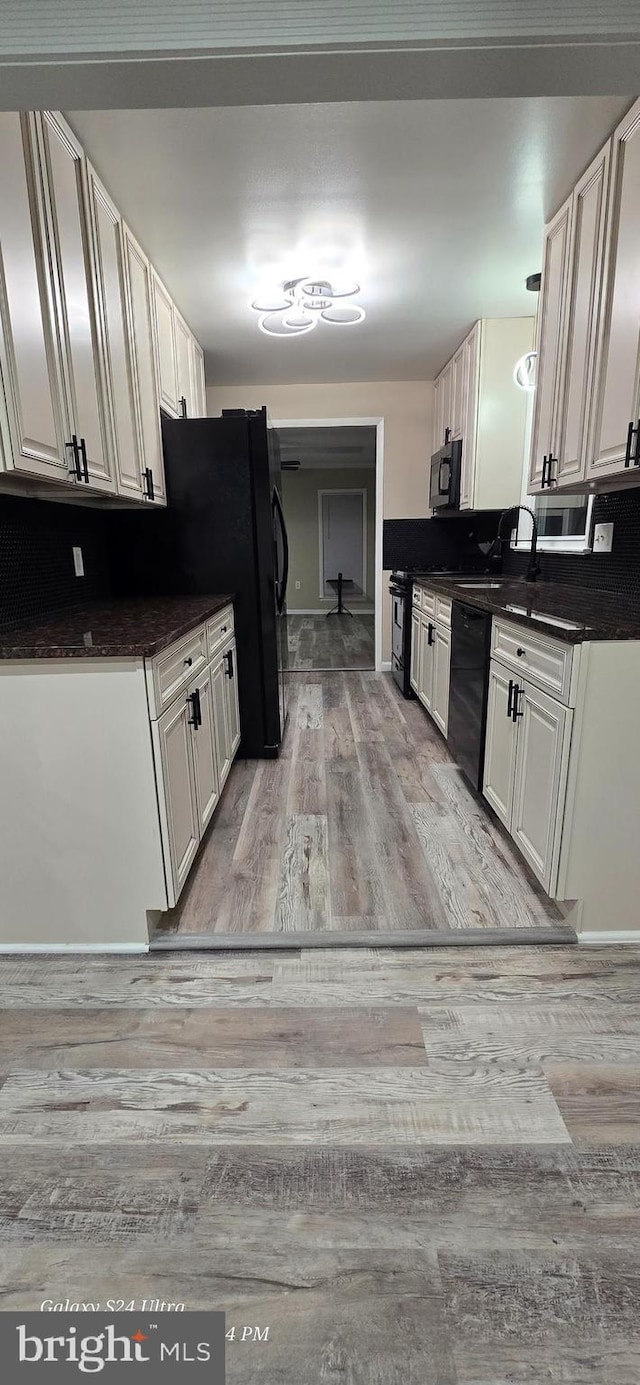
(416, 1167)
(323, 642)
(364, 824)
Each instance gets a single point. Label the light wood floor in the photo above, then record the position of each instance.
(412, 1167)
(364, 824)
(320, 642)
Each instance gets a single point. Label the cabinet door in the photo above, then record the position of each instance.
(471, 376)
(165, 346)
(73, 274)
(231, 692)
(220, 718)
(446, 395)
(28, 357)
(110, 288)
(425, 684)
(204, 750)
(179, 808)
(140, 332)
(199, 388)
(184, 366)
(438, 430)
(414, 675)
(540, 762)
(587, 256)
(500, 746)
(441, 666)
(550, 342)
(458, 384)
(618, 354)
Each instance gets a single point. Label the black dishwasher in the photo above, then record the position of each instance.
(470, 654)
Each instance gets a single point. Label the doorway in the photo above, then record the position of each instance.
(329, 497)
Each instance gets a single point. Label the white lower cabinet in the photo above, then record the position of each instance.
(526, 751)
(195, 741)
(425, 673)
(440, 685)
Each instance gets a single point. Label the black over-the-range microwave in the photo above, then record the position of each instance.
(444, 483)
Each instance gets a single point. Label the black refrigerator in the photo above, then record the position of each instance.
(224, 531)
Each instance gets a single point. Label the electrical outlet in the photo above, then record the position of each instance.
(603, 538)
(297, 586)
(78, 562)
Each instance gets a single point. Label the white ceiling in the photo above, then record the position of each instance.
(436, 207)
(318, 449)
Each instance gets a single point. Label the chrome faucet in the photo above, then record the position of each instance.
(533, 567)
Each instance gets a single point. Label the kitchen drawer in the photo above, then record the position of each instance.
(417, 595)
(543, 661)
(428, 602)
(170, 672)
(219, 630)
(443, 610)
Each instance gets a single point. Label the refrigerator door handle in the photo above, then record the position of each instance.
(281, 582)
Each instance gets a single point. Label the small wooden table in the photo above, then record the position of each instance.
(339, 584)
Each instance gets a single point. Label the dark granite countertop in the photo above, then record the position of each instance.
(132, 629)
(544, 606)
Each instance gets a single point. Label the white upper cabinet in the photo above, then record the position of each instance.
(199, 389)
(140, 330)
(29, 362)
(459, 387)
(589, 221)
(616, 433)
(109, 283)
(184, 368)
(71, 268)
(471, 376)
(165, 346)
(550, 329)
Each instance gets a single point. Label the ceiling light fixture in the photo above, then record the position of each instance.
(524, 371)
(305, 302)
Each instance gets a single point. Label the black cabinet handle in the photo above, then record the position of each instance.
(430, 633)
(189, 661)
(547, 477)
(76, 469)
(510, 698)
(147, 477)
(194, 699)
(627, 455)
(636, 455)
(520, 652)
(183, 407)
(229, 660)
(543, 480)
(516, 693)
(85, 464)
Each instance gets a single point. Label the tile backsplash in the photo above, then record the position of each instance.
(36, 560)
(618, 571)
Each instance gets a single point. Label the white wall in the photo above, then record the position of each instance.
(407, 410)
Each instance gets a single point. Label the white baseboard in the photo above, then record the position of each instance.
(13, 948)
(613, 938)
(385, 666)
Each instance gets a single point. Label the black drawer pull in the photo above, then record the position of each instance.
(430, 633)
(229, 661)
(189, 661)
(194, 699)
(516, 712)
(520, 652)
(510, 698)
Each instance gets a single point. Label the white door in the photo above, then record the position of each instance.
(165, 344)
(446, 404)
(343, 539)
(618, 357)
(500, 745)
(138, 282)
(110, 288)
(458, 393)
(220, 718)
(425, 681)
(469, 427)
(441, 667)
(184, 361)
(438, 430)
(197, 371)
(414, 675)
(542, 730)
(28, 357)
(204, 748)
(550, 344)
(231, 692)
(173, 736)
(72, 267)
(587, 255)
